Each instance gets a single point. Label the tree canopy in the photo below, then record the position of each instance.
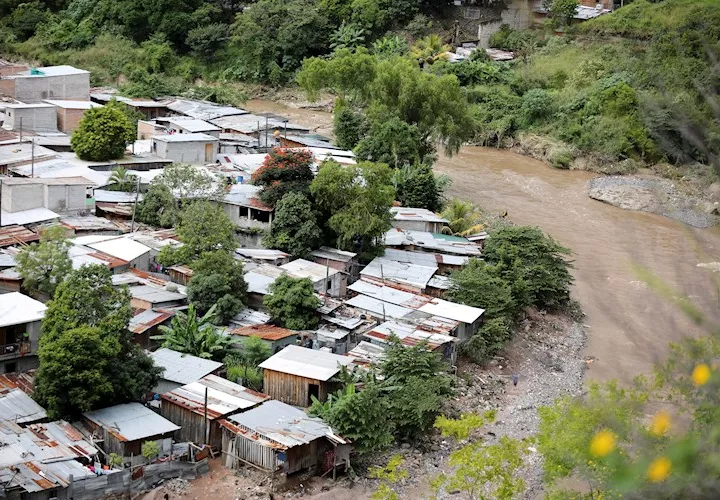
(358, 200)
(217, 280)
(103, 133)
(44, 265)
(294, 228)
(292, 303)
(85, 334)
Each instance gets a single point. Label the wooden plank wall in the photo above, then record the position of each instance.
(291, 389)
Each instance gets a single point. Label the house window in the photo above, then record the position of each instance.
(10, 367)
(243, 211)
(261, 215)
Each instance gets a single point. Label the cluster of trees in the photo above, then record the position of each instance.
(402, 404)
(87, 357)
(523, 267)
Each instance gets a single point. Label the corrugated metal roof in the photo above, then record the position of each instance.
(245, 195)
(381, 291)
(377, 307)
(408, 334)
(432, 241)
(197, 137)
(249, 317)
(63, 70)
(155, 295)
(90, 223)
(48, 442)
(265, 332)
(62, 168)
(425, 258)
(333, 254)
(188, 123)
(25, 381)
(308, 363)
(366, 353)
(13, 235)
(105, 196)
(31, 216)
(440, 282)
(18, 309)
(399, 272)
(20, 408)
(146, 319)
(416, 214)
(334, 332)
(202, 110)
(306, 269)
(224, 397)
(182, 368)
(73, 104)
(131, 421)
(120, 247)
(249, 123)
(261, 253)
(6, 260)
(451, 310)
(285, 425)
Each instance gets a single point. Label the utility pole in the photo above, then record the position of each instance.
(137, 195)
(0, 202)
(21, 131)
(266, 131)
(32, 159)
(205, 420)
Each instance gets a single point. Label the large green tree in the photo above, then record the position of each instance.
(479, 284)
(44, 265)
(294, 228)
(533, 263)
(292, 303)
(103, 133)
(157, 208)
(203, 227)
(357, 200)
(393, 142)
(272, 38)
(87, 305)
(418, 187)
(217, 281)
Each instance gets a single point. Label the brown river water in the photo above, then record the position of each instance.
(630, 326)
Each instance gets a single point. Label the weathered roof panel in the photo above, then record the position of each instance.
(307, 363)
(131, 421)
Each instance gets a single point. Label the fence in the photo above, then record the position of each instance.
(130, 482)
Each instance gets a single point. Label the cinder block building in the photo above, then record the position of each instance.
(52, 82)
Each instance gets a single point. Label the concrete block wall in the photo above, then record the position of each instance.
(60, 198)
(22, 197)
(518, 15)
(39, 119)
(69, 119)
(38, 88)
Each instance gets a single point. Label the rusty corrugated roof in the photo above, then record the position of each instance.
(13, 235)
(265, 332)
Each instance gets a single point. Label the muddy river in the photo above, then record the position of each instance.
(630, 325)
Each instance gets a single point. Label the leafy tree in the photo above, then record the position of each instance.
(417, 187)
(245, 375)
(102, 134)
(297, 28)
(207, 40)
(217, 280)
(349, 126)
(44, 265)
(196, 335)
(488, 340)
(401, 363)
(486, 471)
(254, 351)
(529, 259)
(244, 365)
(390, 46)
(359, 200)
(396, 87)
(479, 284)
(87, 310)
(561, 12)
(283, 171)
(361, 416)
(414, 405)
(393, 142)
(157, 208)
(464, 217)
(294, 229)
(203, 227)
(187, 182)
(26, 17)
(72, 377)
(292, 302)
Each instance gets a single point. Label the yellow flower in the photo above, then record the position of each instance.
(701, 374)
(603, 443)
(660, 424)
(659, 470)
